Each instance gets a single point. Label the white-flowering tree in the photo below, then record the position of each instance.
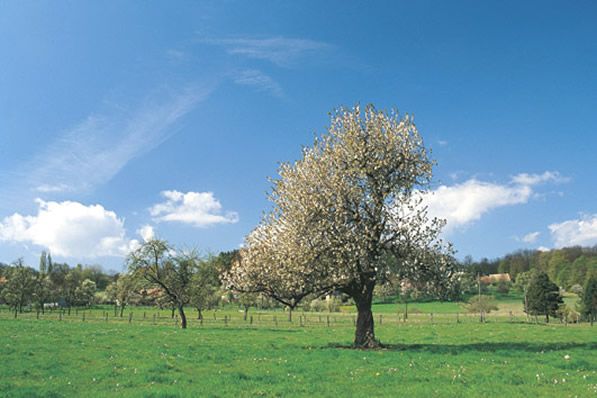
(339, 214)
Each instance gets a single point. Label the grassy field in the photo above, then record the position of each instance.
(72, 357)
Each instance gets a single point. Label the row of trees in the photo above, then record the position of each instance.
(566, 267)
(53, 284)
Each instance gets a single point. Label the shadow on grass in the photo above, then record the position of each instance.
(456, 349)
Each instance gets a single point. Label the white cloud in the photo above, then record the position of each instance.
(70, 229)
(531, 237)
(258, 79)
(463, 203)
(146, 232)
(581, 232)
(199, 209)
(280, 51)
(532, 179)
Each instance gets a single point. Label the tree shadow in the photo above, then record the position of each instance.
(456, 349)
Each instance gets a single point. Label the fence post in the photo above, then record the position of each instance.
(60, 316)
(143, 315)
(251, 320)
(225, 320)
(154, 319)
(431, 317)
(380, 319)
(511, 317)
(276, 321)
(457, 317)
(106, 317)
(130, 317)
(328, 321)
(83, 316)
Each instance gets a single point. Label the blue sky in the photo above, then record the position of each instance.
(119, 120)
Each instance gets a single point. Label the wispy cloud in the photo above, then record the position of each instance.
(281, 51)
(259, 80)
(96, 149)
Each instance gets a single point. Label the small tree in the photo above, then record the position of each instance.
(204, 286)
(86, 292)
(43, 290)
(123, 290)
(161, 265)
(18, 289)
(246, 301)
(484, 304)
(542, 297)
(589, 299)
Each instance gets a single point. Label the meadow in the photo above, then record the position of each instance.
(61, 356)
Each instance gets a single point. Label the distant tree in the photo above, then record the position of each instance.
(487, 304)
(161, 265)
(43, 262)
(70, 289)
(543, 297)
(42, 291)
(204, 289)
(589, 299)
(18, 289)
(246, 301)
(86, 292)
(123, 291)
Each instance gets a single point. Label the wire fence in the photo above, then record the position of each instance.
(267, 319)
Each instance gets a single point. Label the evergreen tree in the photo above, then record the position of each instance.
(589, 299)
(543, 296)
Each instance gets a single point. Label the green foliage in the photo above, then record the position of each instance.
(485, 304)
(18, 289)
(162, 266)
(589, 299)
(542, 297)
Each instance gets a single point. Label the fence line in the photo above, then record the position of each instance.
(270, 319)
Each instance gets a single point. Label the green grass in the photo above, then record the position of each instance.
(54, 358)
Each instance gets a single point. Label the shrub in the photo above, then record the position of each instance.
(487, 304)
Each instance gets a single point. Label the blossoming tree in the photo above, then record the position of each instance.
(354, 197)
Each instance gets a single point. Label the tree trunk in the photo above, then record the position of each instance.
(364, 336)
(173, 309)
(183, 317)
(546, 318)
(246, 312)
(199, 314)
(122, 310)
